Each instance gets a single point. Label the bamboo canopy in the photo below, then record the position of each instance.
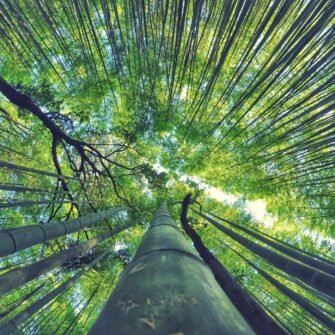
(168, 289)
(107, 103)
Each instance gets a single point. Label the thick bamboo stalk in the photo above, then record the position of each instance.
(21, 301)
(15, 239)
(296, 297)
(12, 166)
(251, 310)
(318, 264)
(319, 280)
(28, 203)
(20, 276)
(168, 289)
(12, 325)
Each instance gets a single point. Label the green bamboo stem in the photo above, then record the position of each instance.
(17, 277)
(250, 309)
(28, 203)
(319, 280)
(31, 170)
(168, 289)
(12, 325)
(15, 239)
(296, 297)
(317, 264)
(21, 301)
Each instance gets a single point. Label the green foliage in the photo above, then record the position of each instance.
(244, 105)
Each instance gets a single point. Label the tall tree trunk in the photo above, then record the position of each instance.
(257, 318)
(20, 276)
(317, 264)
(168, 289)
(319, 280)
(15, 239)
(11, 326)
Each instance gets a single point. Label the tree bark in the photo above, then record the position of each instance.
(23, 101)
(168, 289)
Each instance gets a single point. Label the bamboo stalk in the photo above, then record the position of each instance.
(12, 325)
(15, 239)
(168, 289)
(319, 280)
(21, 276)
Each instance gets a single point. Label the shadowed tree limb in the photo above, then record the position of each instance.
(91, 160)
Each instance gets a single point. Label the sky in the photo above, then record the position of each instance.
(256, 208)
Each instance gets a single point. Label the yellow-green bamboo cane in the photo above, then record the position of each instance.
(168, 289)
(319, 280)
(12, 325)
(309, 260)
(20, 276)
(15, 239)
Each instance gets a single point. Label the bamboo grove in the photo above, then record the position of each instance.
(110, 107)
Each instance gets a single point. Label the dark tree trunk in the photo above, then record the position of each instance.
(257, 318)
